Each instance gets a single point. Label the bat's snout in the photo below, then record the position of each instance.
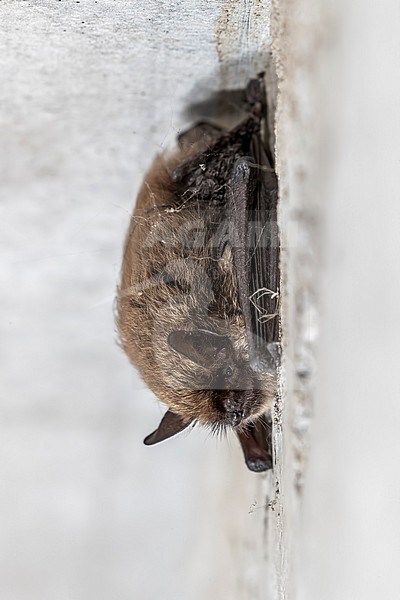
(234, 418)
(234, 410)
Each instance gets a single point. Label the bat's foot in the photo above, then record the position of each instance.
(255, 96)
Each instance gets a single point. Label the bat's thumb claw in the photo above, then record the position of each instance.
(275, 351)
(267, 361)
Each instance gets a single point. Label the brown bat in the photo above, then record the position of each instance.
(198, 302)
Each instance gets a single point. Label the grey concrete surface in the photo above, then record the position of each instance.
(89, 92)
(338, 136)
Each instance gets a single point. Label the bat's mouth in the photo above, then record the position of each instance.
(235, 418)
(237, 407)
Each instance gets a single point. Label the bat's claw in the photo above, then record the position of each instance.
(268, 360)
(274, 349)
(255, 95)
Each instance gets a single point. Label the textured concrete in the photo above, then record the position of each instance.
(89, 92)
(339, 154)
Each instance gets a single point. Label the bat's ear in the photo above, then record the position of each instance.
(201, 347)
(170, 425)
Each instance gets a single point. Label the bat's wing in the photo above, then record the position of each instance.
(264, 246)
(234, 176)
(252, 197)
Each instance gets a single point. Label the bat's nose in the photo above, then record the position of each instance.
(233, 407)
(234, 418)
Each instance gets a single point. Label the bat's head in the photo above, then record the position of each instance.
(214, 369)
(206, 378)
(191, 348)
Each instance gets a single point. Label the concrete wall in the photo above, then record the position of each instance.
(341, 149)
(89, 92)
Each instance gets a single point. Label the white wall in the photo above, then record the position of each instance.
(89, 92)
(339, 142)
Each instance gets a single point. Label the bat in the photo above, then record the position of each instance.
(198, 301)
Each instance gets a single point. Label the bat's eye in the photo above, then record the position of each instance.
(228, 371)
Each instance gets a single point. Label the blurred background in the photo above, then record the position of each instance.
(90, 91)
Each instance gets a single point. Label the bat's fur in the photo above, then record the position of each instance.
(161, 240)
